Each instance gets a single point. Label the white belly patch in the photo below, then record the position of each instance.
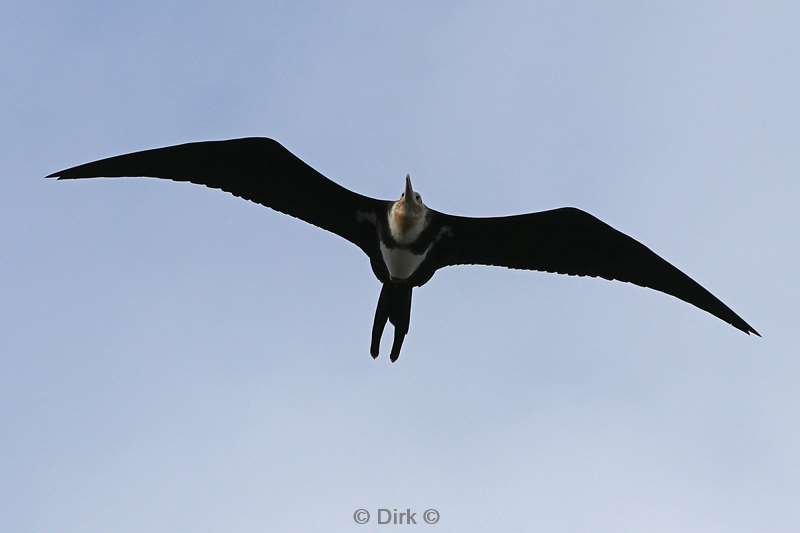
(401, 263)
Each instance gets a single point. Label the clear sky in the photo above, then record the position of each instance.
(176, 359)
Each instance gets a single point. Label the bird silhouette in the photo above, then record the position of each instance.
(406, 241)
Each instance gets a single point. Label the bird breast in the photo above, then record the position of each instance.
(400, 262)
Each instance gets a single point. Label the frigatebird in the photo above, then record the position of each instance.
(405, 240)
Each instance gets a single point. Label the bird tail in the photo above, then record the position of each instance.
(394, 305)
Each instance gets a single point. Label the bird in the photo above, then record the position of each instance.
(405, 240)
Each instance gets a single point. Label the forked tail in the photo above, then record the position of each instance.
(394, 304)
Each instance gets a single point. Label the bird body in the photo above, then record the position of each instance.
(406, 241)
(406, 220)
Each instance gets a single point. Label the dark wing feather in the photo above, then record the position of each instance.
(254, 168)
(571, 241)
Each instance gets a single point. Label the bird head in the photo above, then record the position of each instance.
(408, 215)
(410, 202)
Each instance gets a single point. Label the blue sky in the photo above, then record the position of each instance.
(175, 359)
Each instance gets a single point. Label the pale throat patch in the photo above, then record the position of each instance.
(406, 229)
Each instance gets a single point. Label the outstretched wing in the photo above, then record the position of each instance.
(256, 169)
(571, 241)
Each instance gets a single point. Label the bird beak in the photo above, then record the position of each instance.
(409, 191)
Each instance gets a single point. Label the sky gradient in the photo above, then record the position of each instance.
(177, 359)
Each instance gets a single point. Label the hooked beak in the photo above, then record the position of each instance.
(409, 194)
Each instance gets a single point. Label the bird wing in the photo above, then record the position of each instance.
(571, 241)
(257, 169)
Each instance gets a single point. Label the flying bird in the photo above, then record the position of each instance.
(405, 240)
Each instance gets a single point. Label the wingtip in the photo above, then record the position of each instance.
(54, 175)
(747, 328)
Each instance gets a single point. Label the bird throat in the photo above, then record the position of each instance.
(406, 226)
